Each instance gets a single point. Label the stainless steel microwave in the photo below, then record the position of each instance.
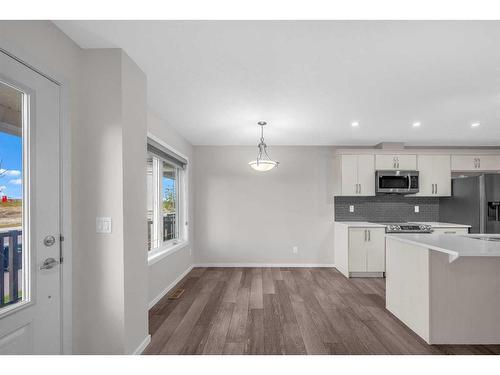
(396, 182)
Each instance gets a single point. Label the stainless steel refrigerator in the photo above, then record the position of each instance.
(475, 201)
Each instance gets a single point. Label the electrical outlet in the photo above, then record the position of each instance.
(417, 209)
(351, 208)
(103, 225)
(295, 249)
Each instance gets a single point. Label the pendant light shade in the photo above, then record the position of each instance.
(263, 162)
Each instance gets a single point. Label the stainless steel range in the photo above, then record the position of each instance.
(407, 228)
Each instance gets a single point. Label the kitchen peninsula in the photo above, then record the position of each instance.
(446, 288)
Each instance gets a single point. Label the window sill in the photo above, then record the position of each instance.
(156, 255)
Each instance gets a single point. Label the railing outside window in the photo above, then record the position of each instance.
(10, 266)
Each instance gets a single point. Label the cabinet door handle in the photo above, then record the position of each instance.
(432, 189)
(365, 235)
(359, 188)
(479, 162)
(436, 188)
(369, 235)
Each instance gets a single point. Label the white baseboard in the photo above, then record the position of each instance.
(168, 288)
(266, 265)
(142, 345)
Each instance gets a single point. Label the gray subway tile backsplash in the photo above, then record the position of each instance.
(387, 208)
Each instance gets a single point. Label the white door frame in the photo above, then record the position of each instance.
(31, 62)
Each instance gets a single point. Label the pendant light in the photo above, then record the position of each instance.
(263, 162)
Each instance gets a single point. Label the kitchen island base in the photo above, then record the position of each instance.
(444, 302)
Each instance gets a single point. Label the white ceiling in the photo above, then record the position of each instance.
(213, 80)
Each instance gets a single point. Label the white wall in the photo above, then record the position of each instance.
(244, 216)
(110, 179)
(164, 272)
(134, 136)
(98, 175)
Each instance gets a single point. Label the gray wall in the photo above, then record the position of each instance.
(244, 216)
(387, 208)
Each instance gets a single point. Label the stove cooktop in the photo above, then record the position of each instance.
(406, 228)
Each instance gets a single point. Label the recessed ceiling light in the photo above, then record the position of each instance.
(416, 124)
(354, 124)
(475, 124)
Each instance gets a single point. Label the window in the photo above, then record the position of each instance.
(165, 197)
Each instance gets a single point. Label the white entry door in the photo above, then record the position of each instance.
(30, 269)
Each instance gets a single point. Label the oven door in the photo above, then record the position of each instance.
(396, 182)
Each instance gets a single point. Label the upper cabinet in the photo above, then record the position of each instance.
(434, 175)
(464, 163)
(395, 162)
(357, 175)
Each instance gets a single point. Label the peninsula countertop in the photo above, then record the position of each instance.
(367, 224)
(456, 246)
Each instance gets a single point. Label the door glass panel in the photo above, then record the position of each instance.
(393, 182)
(13, 275)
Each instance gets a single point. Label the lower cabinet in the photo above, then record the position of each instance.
(366, 250)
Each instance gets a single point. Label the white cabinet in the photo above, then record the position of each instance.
(366, 250)
(395, 162)
(434, 175)
(357, 249)
(357, 175)
(464, 163)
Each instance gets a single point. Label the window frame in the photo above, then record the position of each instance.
(168, 247)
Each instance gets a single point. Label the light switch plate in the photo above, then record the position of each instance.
(351, 208)
(417, 209)
(103, 225)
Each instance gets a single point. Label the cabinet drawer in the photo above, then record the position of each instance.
(450, 231)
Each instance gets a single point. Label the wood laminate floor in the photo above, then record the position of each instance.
(284, 311)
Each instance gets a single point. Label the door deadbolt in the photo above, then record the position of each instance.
(49, 240)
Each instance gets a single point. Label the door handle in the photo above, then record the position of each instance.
(48, 264)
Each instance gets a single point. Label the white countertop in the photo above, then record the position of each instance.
(360, 224)
(436, 224)
(366, 224)
(455, 245)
